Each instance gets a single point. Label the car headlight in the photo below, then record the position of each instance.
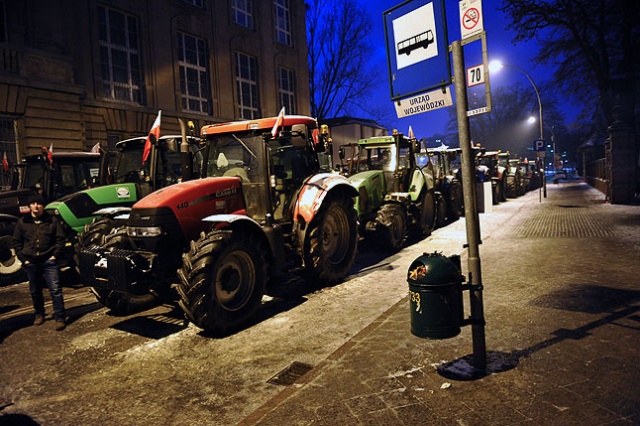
(144, 231)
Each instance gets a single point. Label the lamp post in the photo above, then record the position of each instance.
(496, 66)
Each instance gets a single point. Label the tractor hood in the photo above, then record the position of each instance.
(79, 208)
(188, 202)
(360, 179)
(371, 189)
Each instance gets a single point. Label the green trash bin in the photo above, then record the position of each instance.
(435, 296)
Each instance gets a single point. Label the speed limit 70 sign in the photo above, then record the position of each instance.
(475, 75)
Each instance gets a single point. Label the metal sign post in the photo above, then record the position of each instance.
(470, 211)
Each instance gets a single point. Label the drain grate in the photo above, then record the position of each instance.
(289, 375)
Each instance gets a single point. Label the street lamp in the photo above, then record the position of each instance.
(496, 66)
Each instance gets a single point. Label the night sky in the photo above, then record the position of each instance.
(499, 45)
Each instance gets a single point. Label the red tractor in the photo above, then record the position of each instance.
(267, 202)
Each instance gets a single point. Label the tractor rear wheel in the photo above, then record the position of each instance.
(428, 213)
(393, 219)
(455, 206)
(222, 280)
(332, 240)
(117, 302)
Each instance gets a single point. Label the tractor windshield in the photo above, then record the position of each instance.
(130, 167)
(33, 174)
(242, 155)
(379, 157)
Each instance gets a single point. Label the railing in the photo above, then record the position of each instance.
(596, 174)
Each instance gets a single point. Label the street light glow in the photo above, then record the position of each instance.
(495, 66)
(531, 120)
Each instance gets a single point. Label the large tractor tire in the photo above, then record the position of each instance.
(393, 221)
(511, 187)
(95, 232)
(427, 213)
(222, 280)
(122, 303)
(502, 189)
(11, 270)
(455, 206)
(332, 241)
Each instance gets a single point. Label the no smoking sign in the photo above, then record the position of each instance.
(471, 18)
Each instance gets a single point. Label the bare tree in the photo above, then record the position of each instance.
(339, 51)
(594, 43)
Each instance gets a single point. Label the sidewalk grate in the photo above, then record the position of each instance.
(289, 375)
(564, 222)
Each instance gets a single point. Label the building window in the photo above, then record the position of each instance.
(194, 75)
(247, 86)
(3, 24)
(287, 90)
(243, 12)
(8, 146)
(283, 22)
(119, 56)
(196, 3)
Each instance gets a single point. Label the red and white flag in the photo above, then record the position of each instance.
(48, 153)
(5, 162)
(95, 148)
(411, 134)
(155, 131)
(279, 122)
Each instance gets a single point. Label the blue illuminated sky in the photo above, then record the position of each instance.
(499, 46)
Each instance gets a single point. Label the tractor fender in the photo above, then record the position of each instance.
(420, 182)
(314, 191)
(4, 217)
(239, 222)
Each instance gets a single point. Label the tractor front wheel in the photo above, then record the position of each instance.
(11, 271)
(222, 280)
(393, 220)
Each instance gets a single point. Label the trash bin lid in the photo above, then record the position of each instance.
(433, 268)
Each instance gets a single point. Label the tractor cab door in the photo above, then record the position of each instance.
(291, 163)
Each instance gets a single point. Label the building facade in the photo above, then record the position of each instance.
(74, 73)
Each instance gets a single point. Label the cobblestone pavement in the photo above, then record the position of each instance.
(562, 309)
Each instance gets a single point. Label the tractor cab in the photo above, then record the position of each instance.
(394, 155)
(271, 168)
(162, 168)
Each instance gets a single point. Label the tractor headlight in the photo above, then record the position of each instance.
(144, 231)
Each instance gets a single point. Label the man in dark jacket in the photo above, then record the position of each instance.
(38, 240)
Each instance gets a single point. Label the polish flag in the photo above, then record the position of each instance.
(48, 153)
(279, 122)
(155, 131)
(411, 134)
(5, 162)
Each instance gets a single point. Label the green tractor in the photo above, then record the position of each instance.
(395, 194)
(90, 214)
(51, 174)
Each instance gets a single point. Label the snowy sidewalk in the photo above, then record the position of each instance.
(562, 309)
